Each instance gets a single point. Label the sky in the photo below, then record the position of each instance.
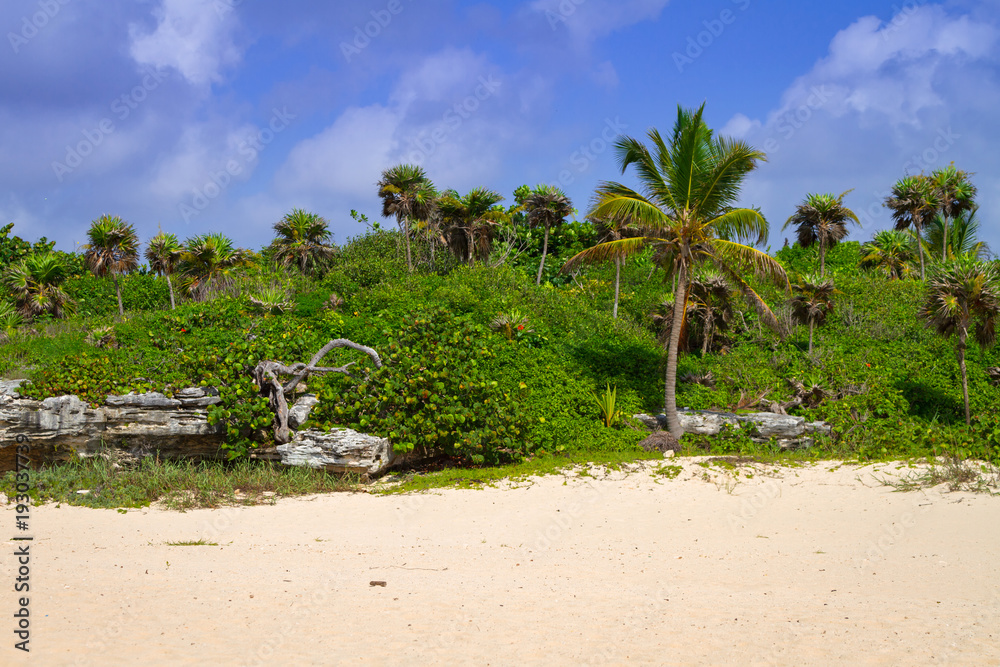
(196, 116)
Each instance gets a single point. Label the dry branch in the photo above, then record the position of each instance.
(266, 373)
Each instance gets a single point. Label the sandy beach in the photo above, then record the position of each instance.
(793, 566)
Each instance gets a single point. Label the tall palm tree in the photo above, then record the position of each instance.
(302, 238)
(959, 236)
(822, 219)
(408, 195)
(954, 194)
(547, 207)
(469, 221)
(113, 249)
(208, 264)
(36, 283)
(163, 254)
(812, 302)
(685, 209)
(963, 294)
(912, 202)
(890, 252)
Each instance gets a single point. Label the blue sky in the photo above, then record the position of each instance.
(222, 115)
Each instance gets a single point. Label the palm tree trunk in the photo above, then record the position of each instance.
(708, 332)
(545, 250)
(406, 237)
(920, 247)
(170, 285)
(965, 376)
(618, 275)
(670, 384)
(822, 259)
(812, 322)
(118, 291)
(944, 240)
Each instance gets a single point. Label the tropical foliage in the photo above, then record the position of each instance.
(36, 283)
(112, 250)
(302, 239)
(163, 254)
(208, 265)
(812, 302)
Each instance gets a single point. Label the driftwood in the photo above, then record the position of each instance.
(809, 397)
(266, 376)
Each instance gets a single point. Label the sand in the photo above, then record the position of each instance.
(806, 566)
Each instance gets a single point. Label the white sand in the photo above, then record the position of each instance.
(821, 565)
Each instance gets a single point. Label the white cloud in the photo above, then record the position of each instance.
(195, 37)
(591, 19)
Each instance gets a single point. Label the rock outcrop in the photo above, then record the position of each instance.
(340, 450)
(787, 430)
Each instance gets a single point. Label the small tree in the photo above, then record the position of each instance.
(890, 253)
(963, 294)
(812, 302)
(113, 250)
(36, 283)
(547, 207)
(164, 254)
(822, 219)
(208, 264)
(303, 238)
(408, 195)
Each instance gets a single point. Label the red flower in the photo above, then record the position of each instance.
(183, 330)
(520, 327)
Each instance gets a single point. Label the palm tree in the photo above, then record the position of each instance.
(408, 195)
(958, 236)
(685, 209)
(613, 230)
(890, 253)
(812, 302)
(468, 222)
(821, 218)
(36, 283)
(710, 300)
(303, 238)
(962, 294)
(547, 206)
(954, 194)
(912, 203)
(113, 250)
(208, 263)
(163, 254)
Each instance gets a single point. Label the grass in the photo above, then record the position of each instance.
(192, 543)
(972, 476)
(176, 485)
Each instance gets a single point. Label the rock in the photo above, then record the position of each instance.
(340, 450)
(299, 413)
(10, 387)
(153, 399)
(189, 392)
(200, 402)
(789, 431)
(660, 441)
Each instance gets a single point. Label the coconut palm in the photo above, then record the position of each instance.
(302, 238)
(113, 250)
(208, 264)
(958, 236)
(954, 194)
(614, 230)
(822, 219)
(685, 209)
(36, 284)
(913, 202)
(468, 222)
(163, 254)
(890, 253)
(408, 195)
(963, 294)
(547, 206)
(812, 302)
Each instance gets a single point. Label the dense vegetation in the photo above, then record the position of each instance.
(505, 330)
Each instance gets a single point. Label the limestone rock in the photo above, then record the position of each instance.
(299, 413)
(789, 431)
(10, 387)
(340, 450)
(152, 399)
